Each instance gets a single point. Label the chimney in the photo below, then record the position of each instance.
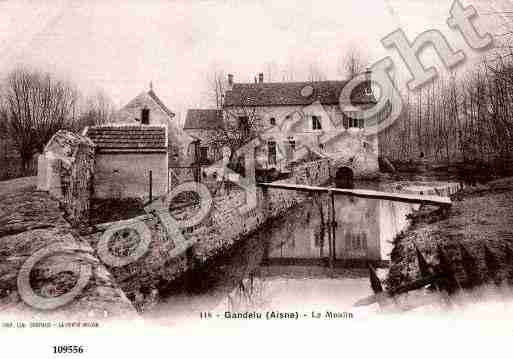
(261, 78)
(230, 81)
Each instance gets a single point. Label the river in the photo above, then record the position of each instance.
(292, 264)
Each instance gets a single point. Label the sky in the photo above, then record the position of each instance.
(120, 46)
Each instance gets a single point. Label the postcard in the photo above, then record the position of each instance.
(255, 177)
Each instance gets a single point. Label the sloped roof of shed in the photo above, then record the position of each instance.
(128, 138)
(159, 102)
(203, 119)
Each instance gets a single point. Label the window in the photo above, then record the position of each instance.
(145, 116)
(318, 242)
(244, 126)
(356, 241)
(272, 121)
(316, 123)
(345, 121)
(290, 149)
(203, 155)
(271, 152)
(349, 122)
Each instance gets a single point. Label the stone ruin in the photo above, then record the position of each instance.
(65, 169)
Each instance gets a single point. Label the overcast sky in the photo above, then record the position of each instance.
(120, 46)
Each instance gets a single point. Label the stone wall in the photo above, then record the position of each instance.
(66, 170)
(229, 224)
(77, 182)
(225, 225)
(154, 267)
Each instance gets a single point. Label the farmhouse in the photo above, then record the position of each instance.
(124, 157)
(295, 120)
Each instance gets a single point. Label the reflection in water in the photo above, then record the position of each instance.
(294, 262)
(364, 230)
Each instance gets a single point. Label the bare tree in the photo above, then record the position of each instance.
(271, 71)
(240, 124)
(352, 63)
(34, 106)
(216, 87)
(97, 109)
(461, 121)
(315, 73)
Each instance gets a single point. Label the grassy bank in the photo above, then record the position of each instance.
(476, 236)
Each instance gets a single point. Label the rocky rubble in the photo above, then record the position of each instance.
(31, 221)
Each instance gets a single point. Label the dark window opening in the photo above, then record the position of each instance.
(292, 144)
(244, 126)
(145, 116)
(318, 242)
(316, 123)
(271, 152)
(203, 157)
(272, 121)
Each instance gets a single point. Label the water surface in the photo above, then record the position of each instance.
(294, 263)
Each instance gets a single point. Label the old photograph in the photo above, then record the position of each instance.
(329, 167)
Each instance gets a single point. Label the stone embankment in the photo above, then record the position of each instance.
(476, 237)
(225, 225)
(30, 221)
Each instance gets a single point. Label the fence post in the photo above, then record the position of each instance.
(151, 186)
(333, 225)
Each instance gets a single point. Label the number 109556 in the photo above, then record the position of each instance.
(68, 349)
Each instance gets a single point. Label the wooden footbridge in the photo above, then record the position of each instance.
(365, 193)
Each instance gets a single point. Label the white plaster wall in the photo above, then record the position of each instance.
(352, 142)
(127, 175)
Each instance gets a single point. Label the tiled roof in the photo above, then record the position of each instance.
(128, 138)
(203, 119)
(159, 102)
(292, 93)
